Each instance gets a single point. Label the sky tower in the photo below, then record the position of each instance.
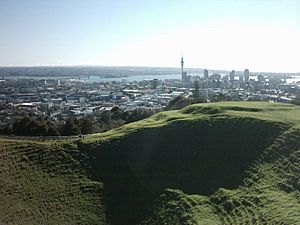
(183, 74)
(182, 62)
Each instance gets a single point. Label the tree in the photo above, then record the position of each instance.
(52, 129)
(296, 100)
(137, 114)
(221, 98)
(181, 102)
(36, 128)
(116, 113)
(71, 126)
(32, 127)
(7, 130)
(87, 125)
(19, 127)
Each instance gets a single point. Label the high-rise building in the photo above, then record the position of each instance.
(231, 76)
(241, 79)
(260, 78)
(154, 83)
(205, 73)
(246, 75)
(182, 73)
(184, 76)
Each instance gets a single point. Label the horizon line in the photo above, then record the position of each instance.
(171, 67)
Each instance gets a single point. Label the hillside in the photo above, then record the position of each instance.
(214, 163)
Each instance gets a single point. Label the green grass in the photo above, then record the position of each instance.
(212, 163)
(43, 184)
(279, 112)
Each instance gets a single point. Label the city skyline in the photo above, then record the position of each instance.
(259, 35)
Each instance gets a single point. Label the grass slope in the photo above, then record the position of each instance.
(43, 184)
(216, 163)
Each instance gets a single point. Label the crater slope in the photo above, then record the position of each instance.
(221, 163)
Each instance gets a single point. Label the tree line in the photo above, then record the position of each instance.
(102, 122)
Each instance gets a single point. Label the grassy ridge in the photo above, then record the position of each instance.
(268, 195)
(277, 112)
(220, 163)
(43, 184)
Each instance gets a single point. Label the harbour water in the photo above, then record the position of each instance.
(91, 79)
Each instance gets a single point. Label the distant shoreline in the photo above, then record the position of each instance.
(111, 71)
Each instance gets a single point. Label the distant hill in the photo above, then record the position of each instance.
(76, 71)
(212, 163)
(108, 71)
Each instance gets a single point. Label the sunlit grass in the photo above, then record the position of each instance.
(280, 112)
(64, 181)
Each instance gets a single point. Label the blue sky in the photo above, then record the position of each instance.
(262, 35)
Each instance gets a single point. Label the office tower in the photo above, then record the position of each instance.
(205, 73)
(231, 76)
(246, 75)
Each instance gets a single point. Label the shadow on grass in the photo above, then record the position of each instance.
(197, 157)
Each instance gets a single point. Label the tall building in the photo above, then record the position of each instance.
(205, 73)
(231, 76)
(241, 79)
(154, 83)
(246, 75)
(183, 74)
(260, 78)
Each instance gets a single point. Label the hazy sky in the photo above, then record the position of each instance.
(262, 35)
